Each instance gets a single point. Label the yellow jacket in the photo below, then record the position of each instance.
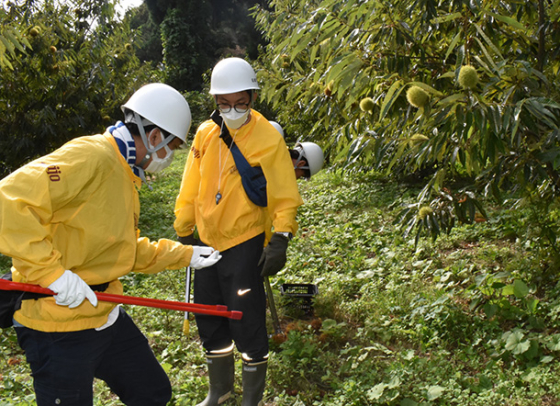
(211, 168)
(77, 208)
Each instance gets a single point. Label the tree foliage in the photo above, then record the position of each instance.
(500, 135)
(75, 68)
(194, 35)
(188, 44)
(147, 38)
(10, 41)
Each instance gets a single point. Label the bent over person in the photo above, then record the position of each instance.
(69, 220)
(214, 199)
(307, 157)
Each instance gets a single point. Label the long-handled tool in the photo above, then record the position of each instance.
(212, 310)
(186, 323)
(272, 306)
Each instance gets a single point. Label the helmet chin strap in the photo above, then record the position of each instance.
(299, 159)
(150, 150)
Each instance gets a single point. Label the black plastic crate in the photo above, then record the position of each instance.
(301, 295)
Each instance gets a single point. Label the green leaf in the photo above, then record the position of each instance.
(4, 62)
(553, 342)
(14, 40)
(328, 29)
(547, 359)
(482, 63)
(490, 310)
(340, 66)
(350, 74)
(508, 20)
(508, 290)
(447, 18)
(394, 383)
(392, 94)
(379, 347)
(301, 44)
(452, 45)
(329, 324)
(531, 305)
(488, 41)
(451, 99)
(520, 289)
(8, 44)
(377, 391)
(313, 54)
(516, 344)
(434, 392)
(487, 54)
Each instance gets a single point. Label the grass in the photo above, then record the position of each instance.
(470, 319)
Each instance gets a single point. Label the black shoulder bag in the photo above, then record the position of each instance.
(252, 177)
(10, 302)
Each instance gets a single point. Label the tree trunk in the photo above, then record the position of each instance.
(542, 50)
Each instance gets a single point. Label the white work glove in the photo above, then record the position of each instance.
(71, 290)
(203, 257)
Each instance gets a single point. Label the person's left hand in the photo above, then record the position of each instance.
(71, 290)
(203, 257)
(273, 257)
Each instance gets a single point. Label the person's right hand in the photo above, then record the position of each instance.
(71, 290)
(203, 257)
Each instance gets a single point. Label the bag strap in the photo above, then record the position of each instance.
(252, 177)
(224, 132)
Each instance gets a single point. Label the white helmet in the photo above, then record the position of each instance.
(313, 154)
(161, 105)
(278, 127)
(232, 75)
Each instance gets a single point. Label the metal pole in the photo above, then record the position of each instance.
(272, 306)
(186, 323)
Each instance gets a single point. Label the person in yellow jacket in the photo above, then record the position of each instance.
(69, 221)
(212, 198)
(307, 159)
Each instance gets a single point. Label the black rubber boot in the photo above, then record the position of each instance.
(254, 376)
(220, 375)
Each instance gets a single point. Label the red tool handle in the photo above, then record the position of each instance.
(217, 310)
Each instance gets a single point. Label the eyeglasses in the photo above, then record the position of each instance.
(240, 107)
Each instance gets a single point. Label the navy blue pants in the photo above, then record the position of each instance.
(64, 365)
(234, 281)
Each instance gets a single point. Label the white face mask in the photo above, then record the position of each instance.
(234, 120)
(158, 164)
